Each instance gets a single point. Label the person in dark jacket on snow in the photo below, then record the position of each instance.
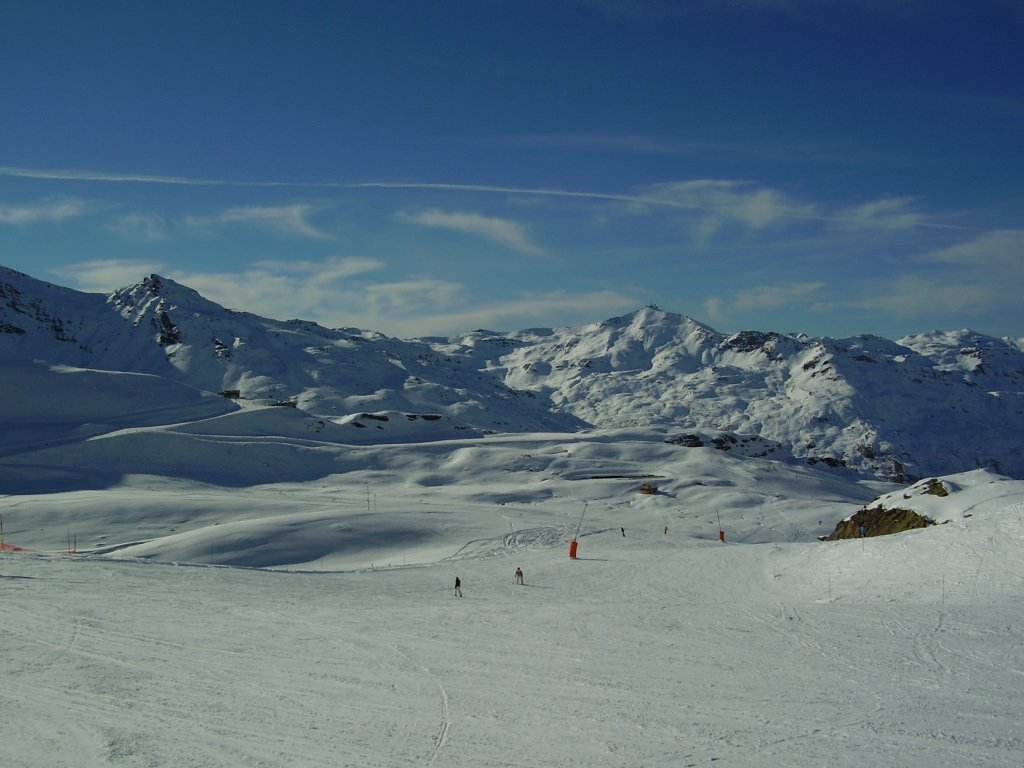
(519, 575)
(458, 587)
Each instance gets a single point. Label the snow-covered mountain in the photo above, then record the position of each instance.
(165, 329)
(928, 404)
(938, 402)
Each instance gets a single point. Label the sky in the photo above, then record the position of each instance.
(831, 167)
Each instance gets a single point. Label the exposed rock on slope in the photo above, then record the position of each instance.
(896, 512)
(878, 521)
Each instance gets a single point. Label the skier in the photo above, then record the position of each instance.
(458, 587)
(519, 575)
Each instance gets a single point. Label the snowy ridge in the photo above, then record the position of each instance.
(929, 404)
(866, 403)
(162, 328)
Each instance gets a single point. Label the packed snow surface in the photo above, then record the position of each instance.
(339, 641)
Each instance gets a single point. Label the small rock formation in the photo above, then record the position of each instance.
(878, 521)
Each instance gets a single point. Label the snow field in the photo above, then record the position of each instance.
(650, 649)
(248, 593)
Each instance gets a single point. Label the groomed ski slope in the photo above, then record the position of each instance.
(650, 649)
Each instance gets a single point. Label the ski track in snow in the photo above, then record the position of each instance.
(441, 736)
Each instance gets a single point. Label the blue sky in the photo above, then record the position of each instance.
(832, 167)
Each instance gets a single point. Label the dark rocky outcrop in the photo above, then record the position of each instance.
(878, 521)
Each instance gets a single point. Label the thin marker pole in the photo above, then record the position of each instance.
(580, 524)
(572, 544)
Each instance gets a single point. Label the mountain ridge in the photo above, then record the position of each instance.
(932, 403)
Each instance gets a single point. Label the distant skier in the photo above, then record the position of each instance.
(458, 587)
(623, 531)
(519, 575)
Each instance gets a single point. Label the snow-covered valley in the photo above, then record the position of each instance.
(650, 648)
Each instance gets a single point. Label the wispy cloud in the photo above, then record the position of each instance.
(715, 206)
(736, 199)
(739, 201)
(355, 291)
(775, 296)
(323, 291)
(139, 227)
(328, 270)
(761, 298)
(114, 177)
(363, 293)
(288, 220)
(46, 211)
(522, 311)
(505, 232)
(326, 291)
(753, 206)
(978, 276)
(888, 213)
(408, 299)
(923, 296)
(106, 275)
(1001, 250)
